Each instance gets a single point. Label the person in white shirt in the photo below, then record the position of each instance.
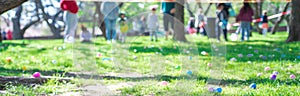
(152, 24)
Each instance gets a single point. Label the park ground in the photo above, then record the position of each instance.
(138, 67)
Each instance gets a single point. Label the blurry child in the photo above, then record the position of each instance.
(9, 34)
(152, 22)
(264, 22)
(85, 35)
(221, 22)
(200, 23)
(191, 26)
(3, 35)
(123, 27)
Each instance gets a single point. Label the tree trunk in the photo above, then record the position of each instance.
(179, 33)
(6, 5)
(257, 14)
(294, 34)
(280, 19)
(100, 19)
(17, 34)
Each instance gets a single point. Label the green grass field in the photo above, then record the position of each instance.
(160, 59)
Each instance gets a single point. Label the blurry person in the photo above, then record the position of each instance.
(85, 35)
(110, 11)
(200, 23)
(70, 18)
(168, 9)
(191, 26)
(9, 34)
(245, 17)
(221, 22)
(264, 22)
(3, 34)
(152, 22)
(123, 26)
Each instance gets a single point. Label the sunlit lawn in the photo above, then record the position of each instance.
(160, 59)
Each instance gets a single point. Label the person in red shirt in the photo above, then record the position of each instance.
(70, 18)
(9, 35)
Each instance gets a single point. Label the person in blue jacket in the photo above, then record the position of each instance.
(110, 10)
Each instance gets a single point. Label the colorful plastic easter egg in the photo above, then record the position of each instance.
(267, 68)
(275, 72)
(250, 47)
(24, 68)
(59, 48)
(292, 76)
(273, 76)
(211, 89)
(189, 72)
(135, 50)
(164, 83)
(106, 59)
(253, 86)
(259, 74)
(8, 59)
(53, 61)
(55, 48)
(233, 59)
(177, 67)
(209, 64)
(240, 55)
(36, 74)
(219, 90)
(249, 55)
(98, 54)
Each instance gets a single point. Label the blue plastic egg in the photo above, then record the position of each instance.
(253, 86)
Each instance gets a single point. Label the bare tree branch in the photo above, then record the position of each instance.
(6, 5)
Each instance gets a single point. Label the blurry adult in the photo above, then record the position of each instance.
(168, 8)
(70, 9)
(245, 17)
(110, 11)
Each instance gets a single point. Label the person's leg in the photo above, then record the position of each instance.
(166, 24)
(225, 34)
(155, 34)
(248, 25)
(204, 32)
(242, 29)
(113, 28)
(67, 24)
(74, 22)
(171, 20)
(151, 35)
(264, 31)
(108, 28)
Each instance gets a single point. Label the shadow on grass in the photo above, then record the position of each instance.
(232, 51)
(4, 46)
(223, 82)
